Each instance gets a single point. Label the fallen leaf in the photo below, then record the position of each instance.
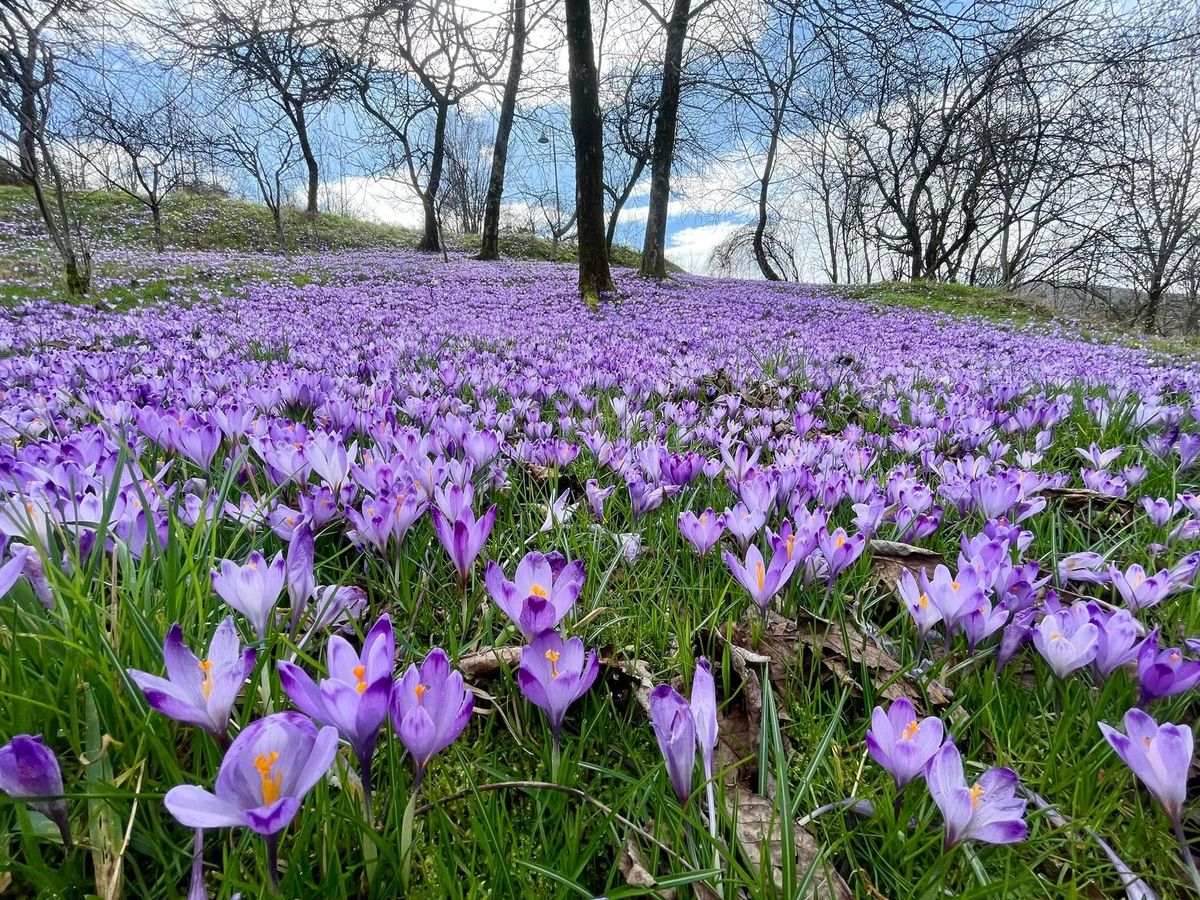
(760, 834)
(891, 559)
(635, 873)
(1080, 497)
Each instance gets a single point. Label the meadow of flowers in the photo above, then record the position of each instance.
(423, 580)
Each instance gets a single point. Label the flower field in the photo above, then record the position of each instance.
(415, 578)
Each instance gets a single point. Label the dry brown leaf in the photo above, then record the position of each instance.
(891, 559)
(1080, 497)
(636, 874)
(843, 650)
(759, 829)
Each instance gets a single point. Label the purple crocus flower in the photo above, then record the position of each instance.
(704, 713)
(1065, 643)
(252, 589)
(14, 568)
(1086, 567)
(1017, 634)
(1137, 590)
(554, 674)
(987, 811)
(29, 771)
(298, 565)
(675, 728)
(902, 744)
(924, 614)
(596, 496)
(200, 692)
(354, 698)
(264, 776)
(1159, 755)
(761, 580)
(1163, 673)
(538, 598)
(702, 531)
(430, 707)
(463, 538)
(1117, 643)
(839, 549)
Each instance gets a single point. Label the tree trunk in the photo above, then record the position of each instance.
(588, 130)
(654, 260)
(760, 228)
(310, 159)
(431, 241)
(156, 222)
(619, 204)
(490, 246)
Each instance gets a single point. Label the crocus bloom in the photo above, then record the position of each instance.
(1064, 643)
(1118, 641)
(354, 698)
(1137, 590)
(702, 531)
(537, 599)
(840, 550)
(1159, 756)
(924, 614)
(298, 565)
(14, 568)
(252, 589)
(29, 771)
(596, 496)
(1086, 567)
(902, 744)
(675, 729)
(704, 713)
(200, 692)
(463, 538)
(987, 811)
(430, 707)
(1164, 673)
(554, 674)
(761, 580)
(265, 774)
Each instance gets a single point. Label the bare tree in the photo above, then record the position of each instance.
(587, 128)
(437, 54)
(468, 152)
(33, 35)
(144, 117)
(265, 152)
(278, 51)
(490, 245)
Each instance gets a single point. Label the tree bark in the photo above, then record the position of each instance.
(760, 227)
(654, 260)
(490, 246)
(431, 241)
(310, 159)
(619, 202)
(588, 130)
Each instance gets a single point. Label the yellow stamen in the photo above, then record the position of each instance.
(841, 539)
(791, 541)
(1055, 635)
(538, 591)
(954, 585)
(206, 685)
(910, 730)
(1146, 741)
(923, 601)
(976, 793)
(762, 575)
(553, 655)
(359, 672)
(419, 690)
(270, 783)
(703, 518)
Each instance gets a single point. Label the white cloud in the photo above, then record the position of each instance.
(690, 247)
